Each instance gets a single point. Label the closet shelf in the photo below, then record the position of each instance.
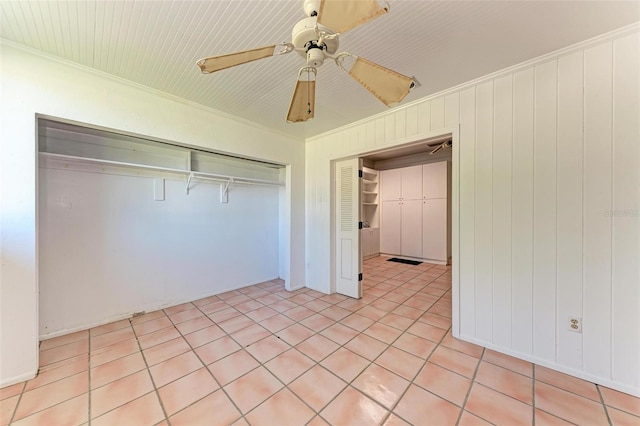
(369, 204)
(367, 181)
(190, 173)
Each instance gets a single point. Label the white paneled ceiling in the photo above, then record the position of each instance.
(441, 43)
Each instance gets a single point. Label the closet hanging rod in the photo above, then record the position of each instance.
(191, 173)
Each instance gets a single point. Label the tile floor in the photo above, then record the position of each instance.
(261, 355)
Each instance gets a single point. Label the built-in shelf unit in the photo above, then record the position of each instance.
(370, 241)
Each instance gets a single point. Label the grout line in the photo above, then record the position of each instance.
(473, 382)
(144, 358)
(533, 395)
(604, 405)
(15, 409)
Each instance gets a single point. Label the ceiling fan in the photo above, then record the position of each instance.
(316, 39)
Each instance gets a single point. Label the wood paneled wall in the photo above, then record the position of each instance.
(549, 204)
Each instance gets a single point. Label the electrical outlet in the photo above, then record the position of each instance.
(575, 324)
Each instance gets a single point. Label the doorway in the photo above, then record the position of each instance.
(373, 260)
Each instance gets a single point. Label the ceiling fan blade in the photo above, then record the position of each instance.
(217, 63)
(385, 84)
(343, 15)
(302, 107)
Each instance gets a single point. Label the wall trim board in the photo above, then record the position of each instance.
(554, 366)
(620, 32)
(17, 379)
(133, 84)
(147, 310)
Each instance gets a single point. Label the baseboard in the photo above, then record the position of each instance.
(17, 379)
(147, 309)
(545, 363)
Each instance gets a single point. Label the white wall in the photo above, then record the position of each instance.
(549, 204)
(107, 249)
(32, 84)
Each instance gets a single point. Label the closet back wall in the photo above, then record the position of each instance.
(107, 249)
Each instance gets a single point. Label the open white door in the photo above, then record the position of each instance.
(348, 259)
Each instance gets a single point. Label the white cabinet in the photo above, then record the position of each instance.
(434, 180)
(414, 220)
(402, 184)
(411, 228)
(390, 227)
(370, 242)
(434, 229)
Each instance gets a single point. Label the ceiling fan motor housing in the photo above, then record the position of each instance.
(305, 38)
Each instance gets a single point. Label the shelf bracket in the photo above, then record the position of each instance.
(191, 176)
(224, 191)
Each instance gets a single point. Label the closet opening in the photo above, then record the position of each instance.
(130, 224)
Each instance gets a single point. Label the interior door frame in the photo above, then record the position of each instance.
(454, 132)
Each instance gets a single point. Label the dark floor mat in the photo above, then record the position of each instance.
(408, 262)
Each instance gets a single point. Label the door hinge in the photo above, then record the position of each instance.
(360, 173)
(360, 276)
(359, 225)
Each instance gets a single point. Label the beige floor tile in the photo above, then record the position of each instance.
(306, 387)
(366, 346)
(277, 323)
(216, 350)
(223, 315)
(317, 347)
(52, 394)
(455, 361)
(113, 352)
(252, 389)
(497, 408)
(7, 408)
(444, 383)
(568, 383)
(543, 418)
(157, 337)
(267, 348)
(415, 345)
(250, 335)
(505, 361)
(120, 392)
(111, 338)
(188, 389)
(63, 352)
(261, 314)
(506, 381)
(174, 368)
(294, 334)
(59, 370)
(400, 362)
(283, 408)
(289, 365)
(114, 370)
(145, 410)
(353, 408)
(317, 322)
(622, 418)
(381, 384)
(151, 326)
(468, 419)
(339, 333)
(233, 366)
(236, 324)
(204, 336)
(418, 406)
(63, 340)
(568, 406)
(357, 322)
(165, 351)
(215, 408)
(71, 412)
(621, 401)
(12, 390)
(382, 332)
(345, 364)
(112, 326)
